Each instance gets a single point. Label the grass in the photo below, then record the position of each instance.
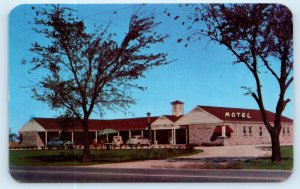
(73, 157)
(265, 163)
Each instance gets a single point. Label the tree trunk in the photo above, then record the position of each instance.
(276, 153)
(86, 146)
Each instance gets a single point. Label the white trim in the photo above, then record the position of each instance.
(153, 124)
(174, 142)
(217, 120)
(46, 138)
(32, 126)
(210, 114)
(168, 128)
(223, 131)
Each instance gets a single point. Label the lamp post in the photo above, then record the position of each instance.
(149, 127)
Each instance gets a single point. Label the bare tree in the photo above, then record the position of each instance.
(67, 122)
(260, 36)
(90, 71)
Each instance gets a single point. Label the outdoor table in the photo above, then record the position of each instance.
(108, 145)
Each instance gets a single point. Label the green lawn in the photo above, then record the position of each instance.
(265, 163)
(73, 157)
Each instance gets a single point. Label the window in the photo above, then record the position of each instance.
(244, 130)
(283, 130)
(288, 130)
(250, 130)
(260, 131)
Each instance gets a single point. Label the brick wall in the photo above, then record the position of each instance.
(243, 134)
(32, 139)
(39, 141)
(29, 138)
(257, 134)
(248, 133)
(200, 133)
(287, 134)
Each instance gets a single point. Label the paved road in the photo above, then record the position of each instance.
(89, 174)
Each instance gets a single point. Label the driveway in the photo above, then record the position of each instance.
(217, 154)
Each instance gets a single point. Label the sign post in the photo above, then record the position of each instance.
(149, 127)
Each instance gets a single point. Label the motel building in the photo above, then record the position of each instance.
(203, 125)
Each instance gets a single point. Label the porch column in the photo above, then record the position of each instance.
(172, 137)
(142, 132)
(174, 142)
(118, 133)
(107, 138)
(154, 136)
(223, 131)
(72, 137)
(186, 135)
(96, 136)
(129, 134)
(46, 138)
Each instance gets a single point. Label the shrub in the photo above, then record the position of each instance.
(190, 147)
(161, 153)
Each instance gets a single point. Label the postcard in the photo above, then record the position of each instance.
(150, 93)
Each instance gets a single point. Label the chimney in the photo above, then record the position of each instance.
(177, 108)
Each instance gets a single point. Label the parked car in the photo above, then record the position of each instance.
(60, 144)
(138, 140)
(69, 144)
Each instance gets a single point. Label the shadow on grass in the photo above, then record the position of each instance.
(264, 163)
(73, 157)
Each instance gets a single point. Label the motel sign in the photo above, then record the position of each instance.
(238, 115)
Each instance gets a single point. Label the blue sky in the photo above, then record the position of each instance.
(203, 73)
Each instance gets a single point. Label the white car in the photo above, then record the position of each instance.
(138, 140)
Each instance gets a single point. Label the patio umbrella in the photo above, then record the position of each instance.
(106, 132)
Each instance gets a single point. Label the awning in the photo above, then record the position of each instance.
(218, 132)
(218, 129)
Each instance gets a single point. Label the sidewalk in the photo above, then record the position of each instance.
(217, 154)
